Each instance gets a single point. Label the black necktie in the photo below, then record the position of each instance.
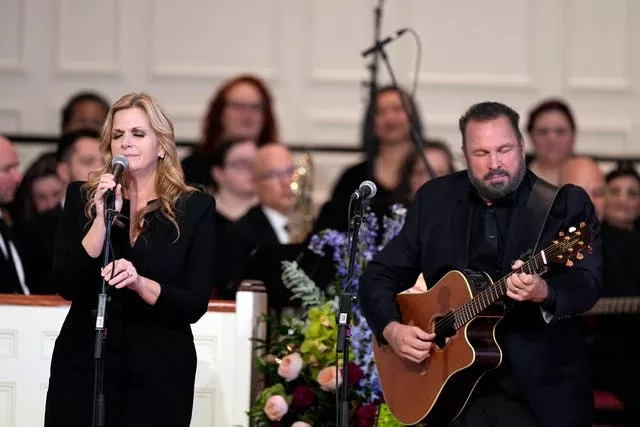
(11, 275)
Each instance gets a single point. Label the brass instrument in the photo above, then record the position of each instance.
(302, 216)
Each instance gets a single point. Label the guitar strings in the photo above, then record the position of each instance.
(467, 308)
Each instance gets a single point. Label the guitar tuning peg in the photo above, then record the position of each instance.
(560, 257)
(561, 233)
(569, 250)
(567, 238)
(569, 263)
(578, 233)
(555, 242)
(580, 242)
(579, 255)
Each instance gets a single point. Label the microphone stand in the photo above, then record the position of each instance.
(100, 330)
(415, 137)
(344, 315)
(373, 93)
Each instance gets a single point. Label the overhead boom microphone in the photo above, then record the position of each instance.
(383, 42)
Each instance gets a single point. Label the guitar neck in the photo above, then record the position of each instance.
(497, 290)
(619, 305)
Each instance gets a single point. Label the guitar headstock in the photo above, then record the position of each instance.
(571, 244)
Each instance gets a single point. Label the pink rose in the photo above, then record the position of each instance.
(290, 367)
(300, 424)
(327, 378)
(276, 408)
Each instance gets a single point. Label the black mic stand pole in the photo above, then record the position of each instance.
(415, 137)
(344, 315)
(369, 131)
(101, 315)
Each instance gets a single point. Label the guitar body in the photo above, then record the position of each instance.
(437, 390)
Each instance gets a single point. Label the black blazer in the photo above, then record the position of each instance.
(150, 355)
(36, 239)
(548, 360)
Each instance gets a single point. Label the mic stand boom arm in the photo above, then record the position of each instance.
(415, 137)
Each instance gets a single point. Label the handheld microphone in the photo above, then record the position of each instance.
(119, 164)
(383, 42)
(366, 191)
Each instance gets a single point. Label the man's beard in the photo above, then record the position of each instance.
(498, 190)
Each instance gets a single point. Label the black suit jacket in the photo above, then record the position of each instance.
(35, 239)
(255, 253)
(548, 360)
(150, 358)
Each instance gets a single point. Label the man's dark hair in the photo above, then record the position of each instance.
(79, 97)
(66, 141)
(489, 110)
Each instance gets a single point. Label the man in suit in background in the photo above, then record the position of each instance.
(263, 228)
(12, 274)
(613, 338)
(477, 219)
(78, 153)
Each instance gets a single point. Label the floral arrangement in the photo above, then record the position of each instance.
(300, 366)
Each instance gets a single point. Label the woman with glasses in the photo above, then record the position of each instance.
(552, 131)
(241, 108)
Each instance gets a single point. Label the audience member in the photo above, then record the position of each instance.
(392, 143)
(12, 272)
(552, 130)
(413, 173)
(241, 108)
(233, 188)
(263, 227)
(613, 339)
(623, 197)
(585, 172)
(78, 154)
(84, 110)
(40, 189)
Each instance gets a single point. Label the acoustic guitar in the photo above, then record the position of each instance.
(435, 391)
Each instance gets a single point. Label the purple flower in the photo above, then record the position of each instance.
(369, 244)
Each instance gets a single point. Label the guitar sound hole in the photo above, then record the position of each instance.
(443, 328)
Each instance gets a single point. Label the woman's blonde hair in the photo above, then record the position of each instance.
(170, 183)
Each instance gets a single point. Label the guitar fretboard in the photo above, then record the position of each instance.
(616, 305)
(535, 265)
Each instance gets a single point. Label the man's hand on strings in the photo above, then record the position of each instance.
(526, 287)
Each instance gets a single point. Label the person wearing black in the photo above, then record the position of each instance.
(612, 337)
(159, 281)
(391, 129)
(477, 219)
(77, 155)
(12, 274)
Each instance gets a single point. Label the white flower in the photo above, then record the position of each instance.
(276, 408)
(290, 367)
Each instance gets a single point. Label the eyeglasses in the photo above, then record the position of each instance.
(239, 164)
(546, 131)
(629, 192)
(256, 107)
(278, 173)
